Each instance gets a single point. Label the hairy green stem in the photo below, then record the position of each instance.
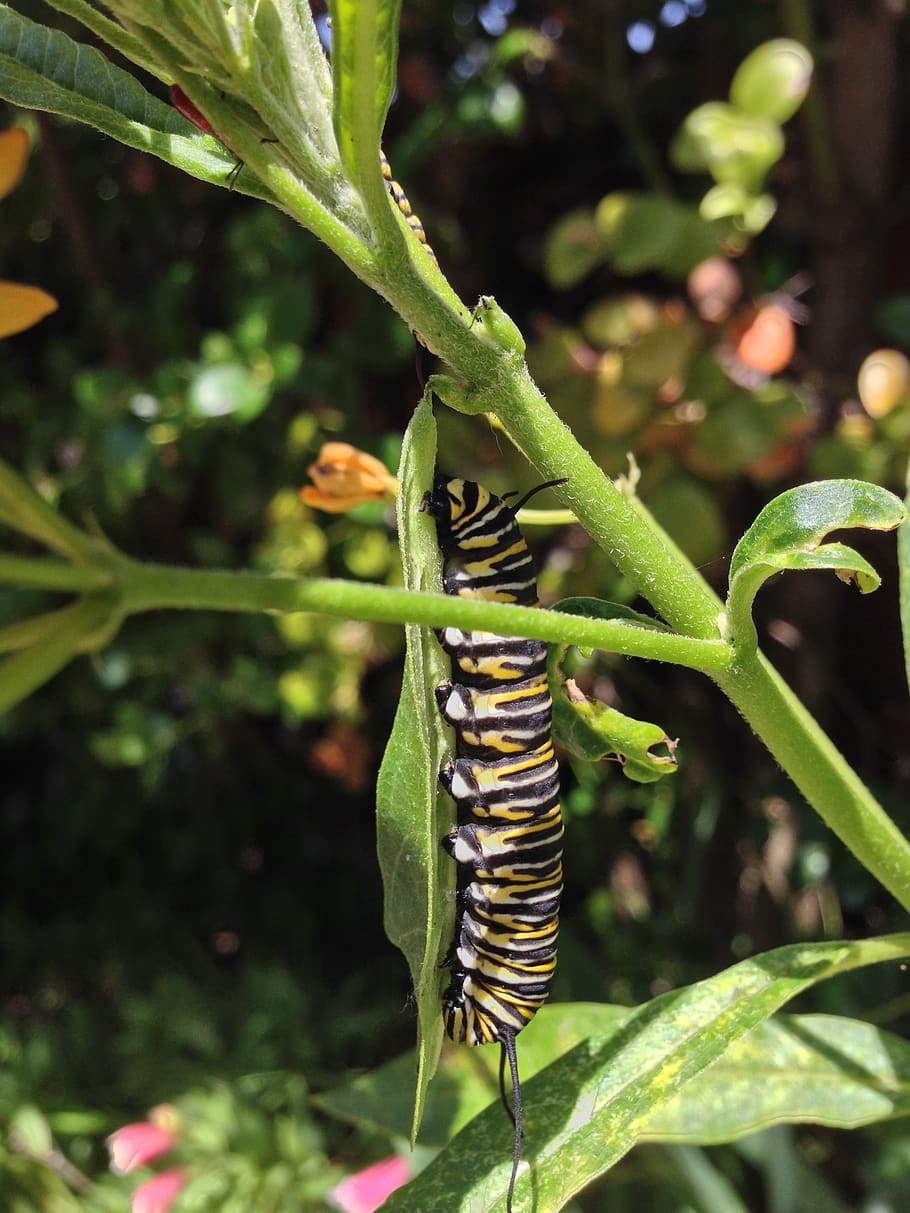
(149, 587)
(799, 24)
(22, 508)
(35, 573)
(31, 667)
(680, 595)
(820, 771)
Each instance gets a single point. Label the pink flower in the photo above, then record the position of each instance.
(136, 1145)
(366, 1191)
(158, 1194)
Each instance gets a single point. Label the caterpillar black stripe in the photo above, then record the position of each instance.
(505, 783)
(400, 198)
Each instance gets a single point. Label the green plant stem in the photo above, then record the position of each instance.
(820, 771)
(798, 22)
(35, 630)
(148, 587)
(39, 574)
(22, 508)
(30, 668)
(635, 545)
(616, 89)
(680, 595)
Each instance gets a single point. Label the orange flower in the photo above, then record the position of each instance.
(20, 306)
(344, 477)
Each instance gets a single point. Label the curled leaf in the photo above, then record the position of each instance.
(788, 534)
(593, 730)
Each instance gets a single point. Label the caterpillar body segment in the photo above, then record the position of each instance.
(505, 783)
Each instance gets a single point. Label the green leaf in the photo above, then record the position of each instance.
(652, 232)
(733, 146)
(589, 1108)
(364, 65)
(572, 248)
(788, 534)
(415, 871)
(591, 729)
(773, 80)
(818, 1069)
(691, 514)
(713, 1192)
(46, 70)
(792, 1183)
(599, 608)
(30, 1131)
(229, 390)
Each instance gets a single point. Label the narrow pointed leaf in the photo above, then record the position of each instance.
(415, 871)
(819, 1069)
(713, 1192)
(364, 67)
(586, 1110)
(46, 70)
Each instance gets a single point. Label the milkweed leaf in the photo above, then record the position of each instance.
(364, 67)
(788, 534)
(46, 70)
(587, 1109)
(415, 870)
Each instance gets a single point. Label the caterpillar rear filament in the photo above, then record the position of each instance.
(505, 784)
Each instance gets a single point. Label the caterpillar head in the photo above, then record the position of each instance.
(451, 500)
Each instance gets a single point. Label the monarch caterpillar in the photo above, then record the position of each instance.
(505, 784)
(400, 198)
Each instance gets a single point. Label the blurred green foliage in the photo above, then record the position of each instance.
(191, 900)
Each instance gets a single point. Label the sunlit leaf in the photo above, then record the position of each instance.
(650, 231)
(46, 70)
(733, 146)
(593, 730)
(819, 1069)
(364, 65)
(415, 870)
(590, 1107)
(788, 534)
(573, 247)
(230, 390)
(773, 80)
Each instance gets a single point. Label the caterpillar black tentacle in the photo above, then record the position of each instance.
(400, 198)
(505, 783)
